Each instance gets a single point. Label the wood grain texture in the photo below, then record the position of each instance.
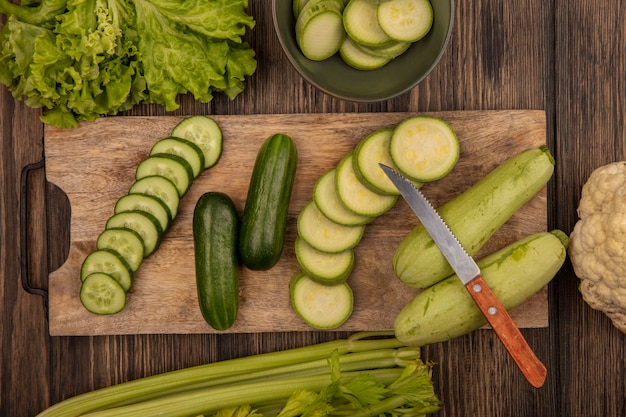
(95, 164)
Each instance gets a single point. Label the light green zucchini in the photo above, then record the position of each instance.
(474, 216)
(514, 273)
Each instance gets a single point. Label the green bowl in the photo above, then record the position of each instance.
(337, 79)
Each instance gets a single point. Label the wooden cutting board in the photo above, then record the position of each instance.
(94, 165)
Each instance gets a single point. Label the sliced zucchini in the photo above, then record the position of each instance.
(355, 196)
(204, 132)
(160, 187)
(325, 235)
(360, 18)
(320, 306)
(371, 151)
(405, 20)
(390, 50)
(359, 59)
(319, 29)
(172, 167)
(145, 224)
(325, 268)
(149, 204)
(110, 263)
(125, 242)
(184, 148)
(424, 148)
(328, 202)
(101, 293)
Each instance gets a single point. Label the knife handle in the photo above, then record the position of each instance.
(506, 330)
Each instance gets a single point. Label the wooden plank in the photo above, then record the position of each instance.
(94, 164)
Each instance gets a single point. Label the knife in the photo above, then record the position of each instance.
(469, 273)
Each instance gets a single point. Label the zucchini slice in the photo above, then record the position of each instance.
(110, 263)
(368, 154)
(319, 29)
(325, 235)
(360, 18)
(359, 59)
(328, 202)
(320, 306)
(204, 132)
(325, 268)
(356, 196)
(405, 20)
(125, 242)
(101, 293)
(424, 148)
(172, 167)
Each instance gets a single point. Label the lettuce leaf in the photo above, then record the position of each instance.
(82, 59)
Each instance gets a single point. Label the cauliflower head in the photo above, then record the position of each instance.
(598, 242)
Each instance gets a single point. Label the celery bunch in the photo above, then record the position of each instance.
(357, 376)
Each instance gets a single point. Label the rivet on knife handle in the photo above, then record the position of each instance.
(506, 330)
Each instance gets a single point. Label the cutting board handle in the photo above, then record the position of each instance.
(24, 237)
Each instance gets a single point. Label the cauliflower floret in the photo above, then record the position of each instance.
(598, 242)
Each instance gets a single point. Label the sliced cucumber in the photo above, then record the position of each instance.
(325, 235)
(405, 20)
(204, 132)
(126, 243)
(149, 204)
(359, 59)
(110, 263)
(355, 196)
(325, 268)
(172, 167)
(101, 293)
(145, 224)
(424, 148)
(320, 306)
(160, 187)
(319, 29)
(184, 148)
(360, 18)
(328, 202)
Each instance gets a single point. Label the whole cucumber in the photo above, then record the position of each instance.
(474, 216)
(215, 233)
(514, 273)
(264, 221)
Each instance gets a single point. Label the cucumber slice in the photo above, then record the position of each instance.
(325, 268)
(126, 243)
(172, 167)
(147, 203)
(184, 148)
(355, 196)
(204, 132)
(360, 18)
(325, 235)
(359, 59)
(161, 188)
(328, 202)
(319, 30)
(110, 263)
(320, 306)
(424, 148)
(101, 293)
(405, 20)
(145, 224)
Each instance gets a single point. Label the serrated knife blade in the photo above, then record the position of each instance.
(469, 273)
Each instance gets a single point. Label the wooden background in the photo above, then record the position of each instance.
(566, 57)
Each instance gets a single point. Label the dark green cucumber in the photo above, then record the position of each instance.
(264, 221)
(215, 231)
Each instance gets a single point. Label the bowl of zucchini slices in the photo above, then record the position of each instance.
(363, 50)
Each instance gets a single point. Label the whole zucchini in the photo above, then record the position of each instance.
(264, 221)
(474, 216)
(514, 273)
(215, 233)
